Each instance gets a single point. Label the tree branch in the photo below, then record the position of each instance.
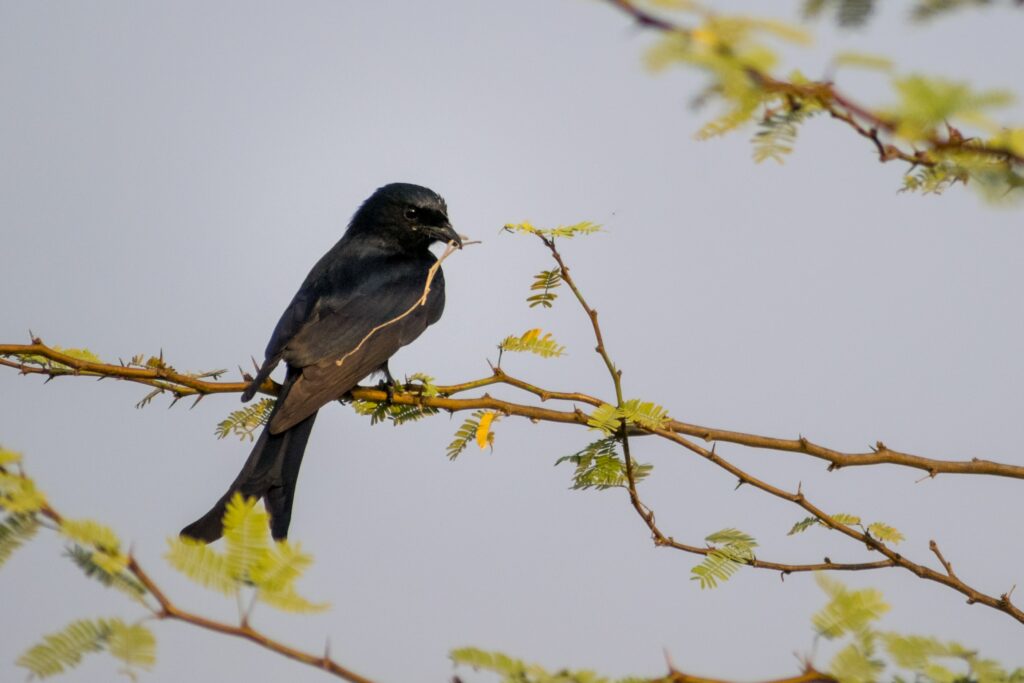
(841, 107)
(168, 610)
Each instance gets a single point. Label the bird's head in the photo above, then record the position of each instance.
(412, 216)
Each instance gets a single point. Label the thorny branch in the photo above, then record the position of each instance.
(865, 122)
(167, 609)
(181, 385)
(25, 358)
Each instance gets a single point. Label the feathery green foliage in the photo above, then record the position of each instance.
(544, 284)
(466, 433)
(566, 231)
(134, 645)
(732, 548)
(9, 457)
(778, 130)
(65, 648)
(512, 670)
(734, 53)
(392, 412)
(599, 466)
(636, 412)
(884, 532)
(847, 519)
(244, 422)
(852, 614)
(925, 10)
(15, 530)
(862, 60)
(926, 104)
(100, 538)
(85, 560)
(803, 525)
(880, 530)
(18, 494)
(531, 341)
(849, 13)
(201, 563)
(250, 558)
(426, 382)
(848, 611)
(857, 662)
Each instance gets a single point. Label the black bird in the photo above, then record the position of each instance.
(370, 278)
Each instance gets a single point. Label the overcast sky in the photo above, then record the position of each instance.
(170, 171)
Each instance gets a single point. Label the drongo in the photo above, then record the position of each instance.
(356, 308)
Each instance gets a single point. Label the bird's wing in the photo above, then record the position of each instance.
(350, 334)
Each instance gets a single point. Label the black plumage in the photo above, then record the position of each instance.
(370, 278)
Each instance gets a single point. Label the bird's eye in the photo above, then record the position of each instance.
(411, 214)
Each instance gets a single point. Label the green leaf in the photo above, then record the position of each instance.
(854, 664)
(544, 284)
(644, 413)
(246, 536)
(9, 457)
(734, 549)
(847, 519)
(927, 103)
(427, 386)
(19, 495)
(803, 525)
(884, 532)
(14, 532)
(847, 611)
(244, 422)
(275, 577)
(849, 13)
(566, 231)
(599, 466)
(133, 644)
(465, 434)
(605, 418)
(531, 341)
(92, 534)
(121, 580)
(202, 564)
(863, 61)
(65, 648)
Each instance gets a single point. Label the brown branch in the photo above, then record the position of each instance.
(809, 675)
(168, 610)
(973, 595)
(184, 384)
(880, 455)
(166, 378)
(840, 106)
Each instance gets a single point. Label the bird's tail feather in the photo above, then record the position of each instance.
(270, 473)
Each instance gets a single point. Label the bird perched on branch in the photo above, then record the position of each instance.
(365, 299)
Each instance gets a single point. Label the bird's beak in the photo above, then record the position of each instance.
(444, 233)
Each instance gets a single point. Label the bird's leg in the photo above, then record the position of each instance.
(388, 383)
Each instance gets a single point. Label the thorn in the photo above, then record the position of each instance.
(255, 364)
(177, 398)
(739, 483)
(668, 662)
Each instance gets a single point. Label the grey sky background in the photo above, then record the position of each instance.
(170, 172)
